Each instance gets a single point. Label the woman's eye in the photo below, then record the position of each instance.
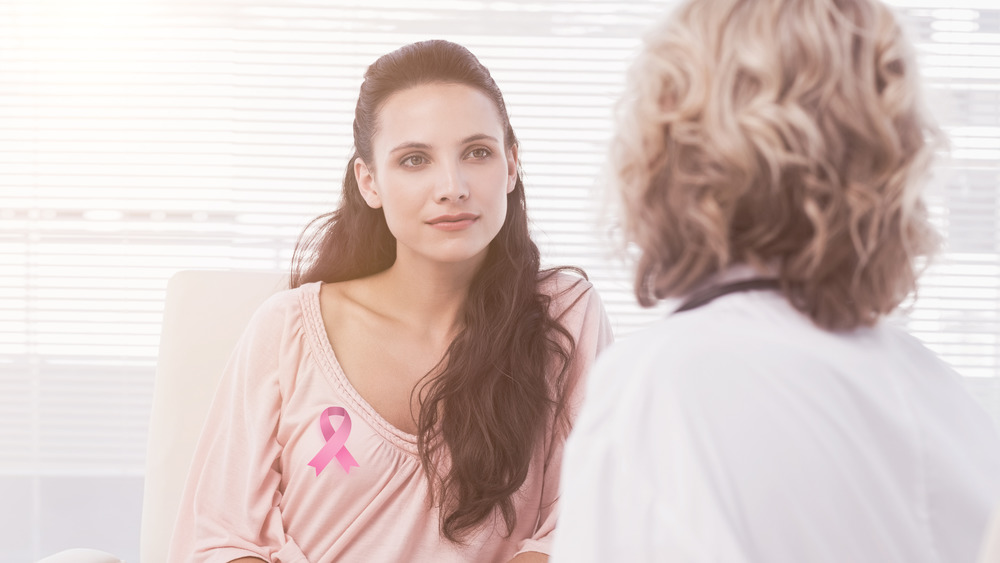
(413, 160)
(479, 153)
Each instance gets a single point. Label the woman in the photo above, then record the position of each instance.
(408, 399)
(770, 155)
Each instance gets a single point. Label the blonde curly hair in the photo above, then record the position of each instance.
(781, 132)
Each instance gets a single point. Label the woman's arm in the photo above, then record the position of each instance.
(228, 507)
(581, 312)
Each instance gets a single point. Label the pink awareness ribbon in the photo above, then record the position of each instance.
(335, 440)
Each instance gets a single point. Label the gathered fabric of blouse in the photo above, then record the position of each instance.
(251, 490)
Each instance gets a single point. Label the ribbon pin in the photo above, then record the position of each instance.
(335, 440)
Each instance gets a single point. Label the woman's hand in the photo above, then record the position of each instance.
(530, 557)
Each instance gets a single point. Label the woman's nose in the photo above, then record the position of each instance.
(451, 185)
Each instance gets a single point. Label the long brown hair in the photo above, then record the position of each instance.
(491, 399)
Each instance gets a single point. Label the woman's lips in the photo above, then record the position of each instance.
(453, 222)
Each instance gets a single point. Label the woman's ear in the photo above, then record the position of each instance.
(511, 168)
(366, 184)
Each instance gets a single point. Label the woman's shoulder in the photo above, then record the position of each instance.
(573, 301)
(564, 285)
(287, 301)
(284, 309)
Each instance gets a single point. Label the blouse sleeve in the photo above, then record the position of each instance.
(230, 503)
(581, 312)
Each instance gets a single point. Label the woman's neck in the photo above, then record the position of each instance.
(424, 296)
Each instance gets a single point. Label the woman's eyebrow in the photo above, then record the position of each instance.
(410, 145)
(424, 146)
(480, 137)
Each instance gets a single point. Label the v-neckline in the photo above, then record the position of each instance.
(335, 372)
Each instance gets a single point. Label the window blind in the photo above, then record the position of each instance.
(956, 309)
(139, 138)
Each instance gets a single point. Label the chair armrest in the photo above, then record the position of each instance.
(81, 555)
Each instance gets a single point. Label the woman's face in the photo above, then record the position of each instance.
(441, 172)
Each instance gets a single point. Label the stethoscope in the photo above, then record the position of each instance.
(709, 294)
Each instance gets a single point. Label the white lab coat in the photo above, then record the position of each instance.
(741, 432)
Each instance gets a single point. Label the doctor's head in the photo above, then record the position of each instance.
(786, 134)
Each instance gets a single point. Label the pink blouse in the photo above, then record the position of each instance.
(251, 490)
